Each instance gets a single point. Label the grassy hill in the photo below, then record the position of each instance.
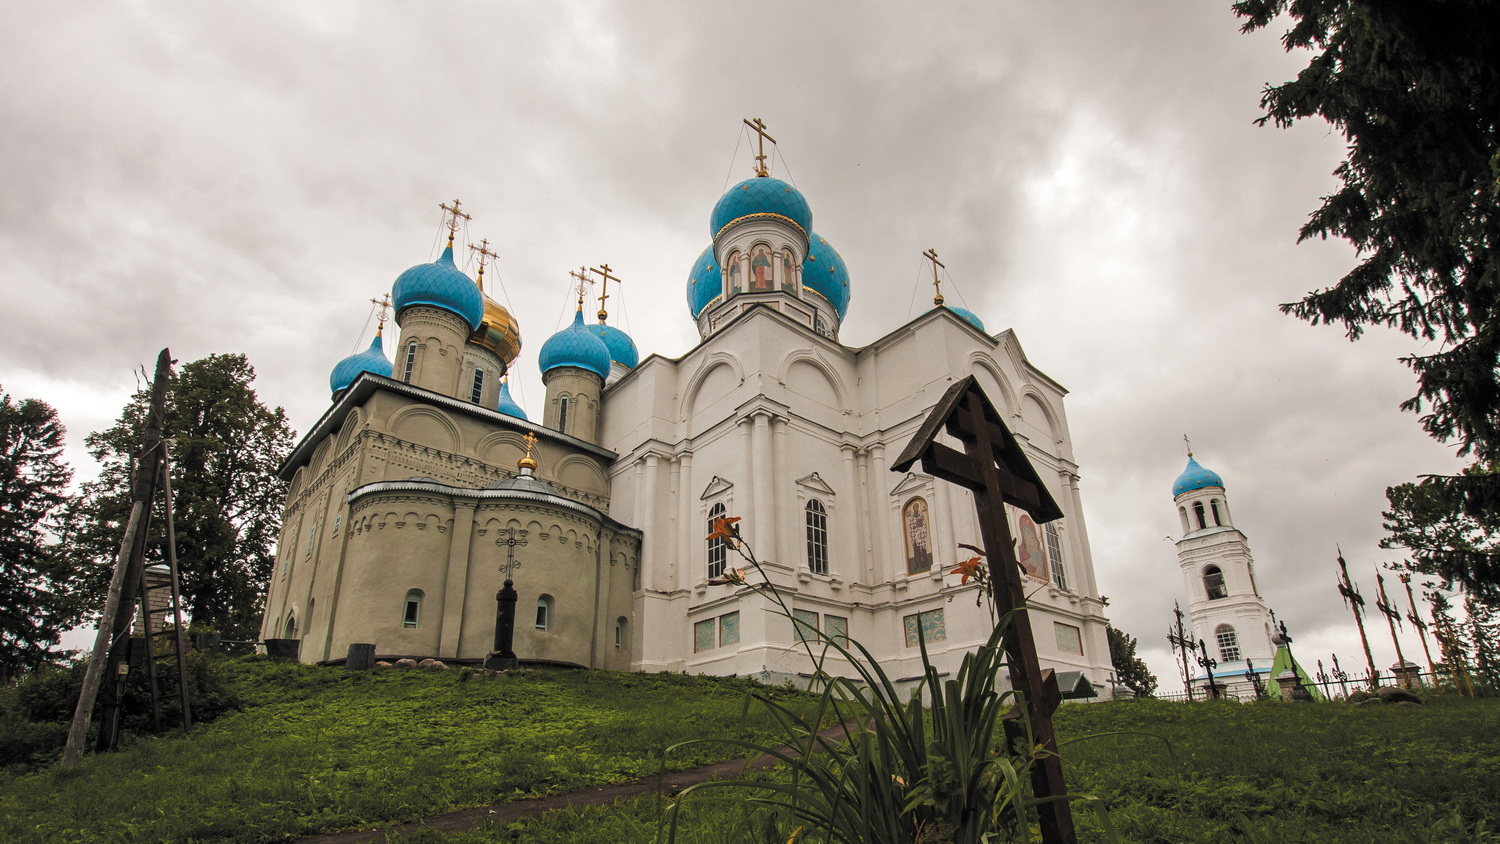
(318, 749)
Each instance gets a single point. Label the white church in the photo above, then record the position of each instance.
(424, 486)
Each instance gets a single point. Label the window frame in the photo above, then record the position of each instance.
(718, 547)
(815, 517)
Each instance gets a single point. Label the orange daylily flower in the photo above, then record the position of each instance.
(724, 529)
(971, 567)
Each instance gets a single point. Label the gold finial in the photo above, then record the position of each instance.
(528, 462)
(384, 303)
(603, 271)
(583, 279)
(931, 255)
(452, 221)
(484, 252)
(758, 126)
(1189, 445)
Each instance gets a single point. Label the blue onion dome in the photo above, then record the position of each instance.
(443, 285)
(1195, 477)
(372, 359)
(761, 195)
(825, 274)
(705, 282)
(498, 331)
(507, 404)
(621, 348)
(968, 316)
(575, 346)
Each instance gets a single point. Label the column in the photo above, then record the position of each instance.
(884, 533)
(689, 529)
(869, 518)
(456, 579)
(763, 529)
(849, 515)
(649, 542)
(785, 524)
(668, 544)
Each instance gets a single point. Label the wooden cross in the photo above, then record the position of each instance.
(484, 252)
(452, 222)
(384, 303)
(603, 271)
(994, 467)
(931, 255)
(758, 126)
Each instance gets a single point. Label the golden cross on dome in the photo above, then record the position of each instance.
(452, 222)
(603, 271)
(931, 255)
(384, 303)
(758, 126)
(1188, 443)
(528, 462)
(583, 279)
(484, 252)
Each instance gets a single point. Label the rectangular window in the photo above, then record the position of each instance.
(931, 623)
(413, 610)
(836, 628)
(411, 361)
(805, 625)
(729, 629)
(478, 391)
(1069, 638)
(703, 636)
(562, 415)
(1054, 553)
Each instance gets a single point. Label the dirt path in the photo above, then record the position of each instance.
(465, 820)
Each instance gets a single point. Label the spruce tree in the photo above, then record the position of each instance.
(1130, 669)
(33, 486)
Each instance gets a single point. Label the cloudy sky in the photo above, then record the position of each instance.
(243, 178)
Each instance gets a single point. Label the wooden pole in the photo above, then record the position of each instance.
(114, 625)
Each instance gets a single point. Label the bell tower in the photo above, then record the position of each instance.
(1224, 600)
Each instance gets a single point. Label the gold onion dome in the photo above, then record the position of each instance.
(498, 331)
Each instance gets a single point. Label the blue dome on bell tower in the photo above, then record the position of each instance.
(761, 195)
(1195, 477)
(575, 346)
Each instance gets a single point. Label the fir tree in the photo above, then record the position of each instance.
(33, 484)
(1130, 669)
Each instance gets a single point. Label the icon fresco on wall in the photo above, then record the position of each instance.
(734, 273)
(760, 269)
(788, 279)
(1030, 552)
(918, 536)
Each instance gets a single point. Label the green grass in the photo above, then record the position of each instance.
(322, 749)
(319, 749)
(1266, 772)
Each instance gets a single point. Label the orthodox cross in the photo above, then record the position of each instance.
(510, 543)
(931, 255)
(583, 279)
(1178, 638)
(1356, 602)
(994, 467)
(758, 126)
(528, 462)
(384, 304)
(1417, 622)
(1340, 675)
(1208, 664)
(603, 271)
(484, 252)
(1255, 681)
(453, 214)
(1392, 618)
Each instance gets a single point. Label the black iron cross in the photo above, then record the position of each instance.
(994, 467)
(510, 544)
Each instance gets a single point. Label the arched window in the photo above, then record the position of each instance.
(620, 633)
(1214, 506)
(544, 612)
(1182, 512)
(1213, 583)
(562, 414)
(1054, 553)
(411, 613)
(290, 632)
(1198, 512)
(718, 549)
(411, 361)
(1229, 643)
(918, 536)
(478, 390)
(817, 537)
